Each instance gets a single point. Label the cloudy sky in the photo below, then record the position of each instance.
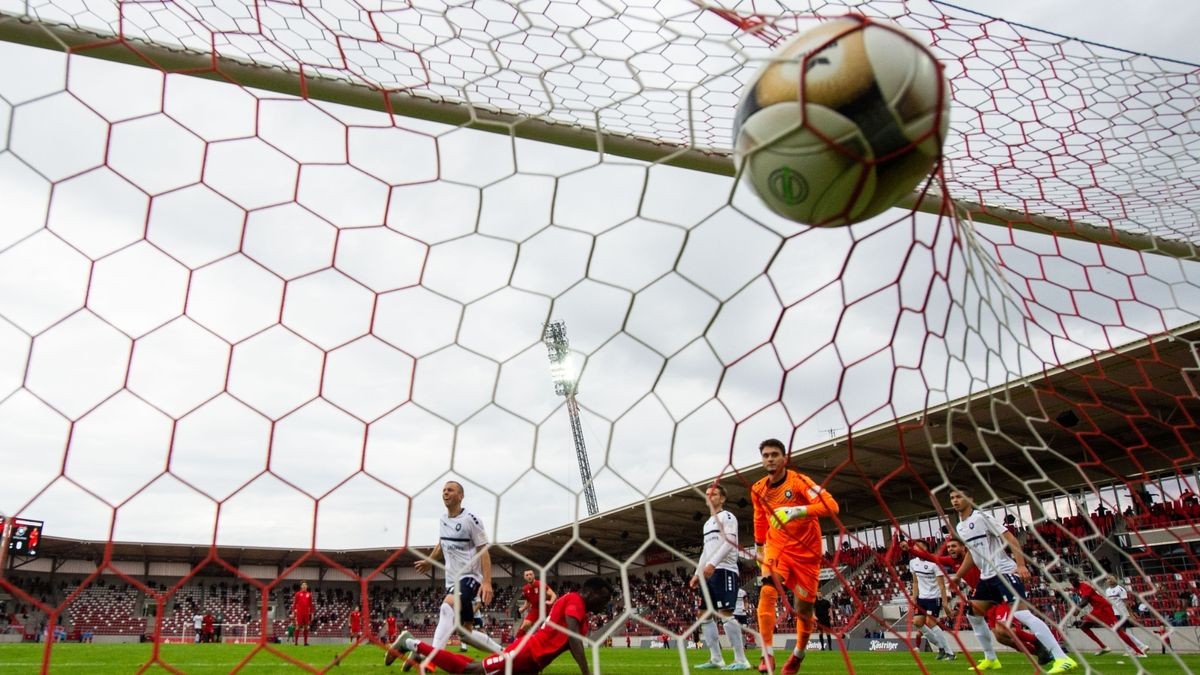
(278, 322)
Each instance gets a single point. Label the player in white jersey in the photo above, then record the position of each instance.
(1117, 596)
(463, 544)
(718, 568)
(930, 593)
(1001, 581)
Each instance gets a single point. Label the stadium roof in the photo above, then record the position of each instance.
(1120, 414)
(1110, 416)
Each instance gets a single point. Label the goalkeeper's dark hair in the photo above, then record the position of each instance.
(773, 443)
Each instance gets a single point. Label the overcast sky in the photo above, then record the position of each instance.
(282, 304)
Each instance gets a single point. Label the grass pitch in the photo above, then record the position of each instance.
(102, 659)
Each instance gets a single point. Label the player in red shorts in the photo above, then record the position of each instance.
(355, 623)
(1101, 614)
(787, 534)
(531, 602)
(302, 607)
(568, 621)
(391, 626)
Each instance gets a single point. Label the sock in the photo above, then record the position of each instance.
(447, 661)
(1125, 638)
(1140, 644)
(1041, 630)
(980, 628)
(709, 630)
(733, 631)
(1087, 630)
(445, 626)
(929, 636)
(1028, 639)
(480, 640)
(767, 598)
(805, 623)
(942, 638)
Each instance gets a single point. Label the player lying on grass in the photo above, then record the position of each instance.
(568, 621)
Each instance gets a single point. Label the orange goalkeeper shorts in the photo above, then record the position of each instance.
(799, 573)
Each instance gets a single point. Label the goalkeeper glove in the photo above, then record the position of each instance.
(784, 514)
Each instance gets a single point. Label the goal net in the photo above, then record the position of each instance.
(271, 273)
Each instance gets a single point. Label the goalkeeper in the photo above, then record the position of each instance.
(788, 538)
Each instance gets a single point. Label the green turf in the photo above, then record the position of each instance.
(102, 659)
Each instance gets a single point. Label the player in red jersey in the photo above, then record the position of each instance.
(391, 627)
(787, 534)
(355, 624)
(1100, 614)
(568, 621)
(302, 607)
(531, 602)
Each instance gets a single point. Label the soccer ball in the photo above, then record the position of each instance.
(844, 121)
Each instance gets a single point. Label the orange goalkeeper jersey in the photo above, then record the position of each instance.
(800, 537)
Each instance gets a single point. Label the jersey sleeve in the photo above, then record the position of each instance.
(761, 508)
(993, 526)
(478, 533)
(820, 502)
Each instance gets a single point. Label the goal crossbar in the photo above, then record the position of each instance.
(277, 79)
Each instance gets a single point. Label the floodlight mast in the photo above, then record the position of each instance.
(566, 385)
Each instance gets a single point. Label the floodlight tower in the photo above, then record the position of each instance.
(566, 385)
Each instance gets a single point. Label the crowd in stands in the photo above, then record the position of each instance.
(108, 607)
(860, 579)
(1167, 513)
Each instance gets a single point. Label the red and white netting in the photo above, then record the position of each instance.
(235, 290)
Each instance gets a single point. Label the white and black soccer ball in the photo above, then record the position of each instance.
(845, 120)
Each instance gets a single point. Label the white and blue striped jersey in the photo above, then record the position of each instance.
(462, 537)
(926, 574)
(984, 537)
(1117, 595)
(720, 542)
